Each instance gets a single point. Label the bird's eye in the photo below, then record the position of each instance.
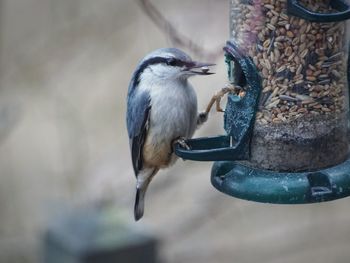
(171, 62)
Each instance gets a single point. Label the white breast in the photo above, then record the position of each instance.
(174, 110)
(173, 114)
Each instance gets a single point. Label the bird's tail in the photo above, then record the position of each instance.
(144, 178)
(139, 203)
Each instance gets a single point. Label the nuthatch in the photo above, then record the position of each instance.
(161, 110)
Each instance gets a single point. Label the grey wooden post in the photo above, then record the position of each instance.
(96, 236)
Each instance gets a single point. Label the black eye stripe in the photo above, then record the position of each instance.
(176, 62)
(158, 60)
(172, 62)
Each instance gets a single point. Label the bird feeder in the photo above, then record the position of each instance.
(287, 136)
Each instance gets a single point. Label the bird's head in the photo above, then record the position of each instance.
(169, 64)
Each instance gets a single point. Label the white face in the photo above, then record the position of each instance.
(160, 67)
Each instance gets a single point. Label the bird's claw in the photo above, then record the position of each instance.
(182, 143)
(218, 108)
(217, 98)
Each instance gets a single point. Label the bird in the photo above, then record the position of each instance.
(161, 111)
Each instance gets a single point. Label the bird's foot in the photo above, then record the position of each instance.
(182, 142)
(218, 96)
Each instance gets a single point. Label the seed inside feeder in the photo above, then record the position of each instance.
(302, 119)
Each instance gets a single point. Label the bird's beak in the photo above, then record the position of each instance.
(199, 68)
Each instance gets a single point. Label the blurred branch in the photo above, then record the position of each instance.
(176, 37)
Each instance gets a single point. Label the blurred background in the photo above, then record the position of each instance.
(64, 71)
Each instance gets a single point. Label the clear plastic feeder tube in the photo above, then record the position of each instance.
(302, 121)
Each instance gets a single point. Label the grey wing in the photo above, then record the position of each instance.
(138, 114)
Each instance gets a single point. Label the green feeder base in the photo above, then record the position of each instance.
(265, 186)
